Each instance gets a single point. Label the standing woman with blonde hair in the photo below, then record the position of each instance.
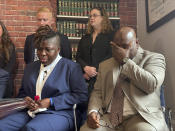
(95, 47)
(7, 59)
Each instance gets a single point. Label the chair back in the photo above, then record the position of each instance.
(166, 111)
(80, 113)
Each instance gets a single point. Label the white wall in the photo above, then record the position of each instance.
(160, 40)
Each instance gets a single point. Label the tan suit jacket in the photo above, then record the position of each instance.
(146, 73)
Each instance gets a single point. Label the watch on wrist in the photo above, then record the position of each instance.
(125, 60)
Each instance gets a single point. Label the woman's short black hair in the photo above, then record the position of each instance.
(45, 33)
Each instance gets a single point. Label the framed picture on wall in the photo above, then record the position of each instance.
(158, 12)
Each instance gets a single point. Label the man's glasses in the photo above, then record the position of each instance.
(94, 16)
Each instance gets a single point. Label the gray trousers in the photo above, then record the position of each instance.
(134, 123)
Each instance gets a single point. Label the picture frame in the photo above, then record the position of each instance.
(158, 12)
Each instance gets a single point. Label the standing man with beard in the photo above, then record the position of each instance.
(45, 17)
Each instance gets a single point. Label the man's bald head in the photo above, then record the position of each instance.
(125, 38)
(126, 34)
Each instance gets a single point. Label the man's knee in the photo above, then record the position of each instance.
(2, 126)
(30, 127)
(85, 127)
(7, 127)
(137, 123)
(140, 127)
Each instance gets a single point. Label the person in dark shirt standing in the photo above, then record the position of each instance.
(95, 47)
(7, 61)
(45, 17)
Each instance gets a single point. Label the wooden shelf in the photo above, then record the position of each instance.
(74, 38)
(72, 17)
(82, 17)
(114, 18)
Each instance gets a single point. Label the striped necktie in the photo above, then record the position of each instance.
(116, 115)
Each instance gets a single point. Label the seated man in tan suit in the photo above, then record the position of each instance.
(126, 95)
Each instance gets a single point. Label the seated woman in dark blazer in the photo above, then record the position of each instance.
(7, 58)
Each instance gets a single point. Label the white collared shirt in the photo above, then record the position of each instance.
(35, 55)
(43, 76)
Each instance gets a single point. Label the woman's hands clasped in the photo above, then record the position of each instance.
(34, 105)
(89, 72)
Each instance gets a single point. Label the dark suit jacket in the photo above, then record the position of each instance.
(65, 86)
(4, 77)
(29, 49)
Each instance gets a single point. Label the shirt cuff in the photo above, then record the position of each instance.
(51, 102)
(92, 111)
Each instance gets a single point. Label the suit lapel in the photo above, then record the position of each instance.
(55, 72)
(35, 77)
(109, 88)
(139, 56)
(112, 78)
